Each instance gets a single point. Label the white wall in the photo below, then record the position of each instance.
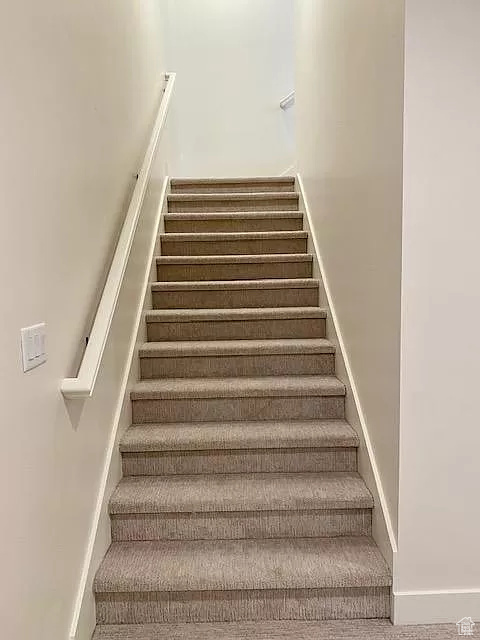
(349, 111)
(234, 61)
(439, 516)
(81, 82)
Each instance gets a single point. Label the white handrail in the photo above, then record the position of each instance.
(288, 101)
(82, 386)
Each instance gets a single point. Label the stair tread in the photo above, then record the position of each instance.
(231, 215)
(221, 236)
(263, 195)
(270, 283)
(234, 258)
(246, 180)
(204, 436)
(244, 314)
(265, 386)
(240, 492)
(370, 629)
(204, 565)
(235, 347)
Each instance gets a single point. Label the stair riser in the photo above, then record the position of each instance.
(229, 187)
(232, 330)
(216, 205)
(300, 460)
(230, 606)
(241, 525)
(233, 366)
(235, 298)
(233, 247)
(240, 271)
(253, 408)
(239, 225)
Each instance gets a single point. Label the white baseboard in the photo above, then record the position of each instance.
(382, 524)
(435, 607)
(83, 619)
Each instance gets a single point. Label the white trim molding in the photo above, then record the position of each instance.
(83, 385)
(436, 607)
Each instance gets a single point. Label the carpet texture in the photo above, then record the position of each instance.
(239, 492)
(280, 630)
(268, 266)
(238, 435)
(199, 565)
(253, 201)
(234, 324)
(271, 460)
(241, 498)
(233, 185)
(245, 221)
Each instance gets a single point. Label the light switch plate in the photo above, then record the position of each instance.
(34, 350)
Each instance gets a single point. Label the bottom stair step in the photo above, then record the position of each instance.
(278, 630)
(227, 580)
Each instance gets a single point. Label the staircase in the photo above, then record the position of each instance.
(240, 498)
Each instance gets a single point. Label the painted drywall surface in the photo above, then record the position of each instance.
(234, 61)
(349, 112)
(439, 515)
(81, 83)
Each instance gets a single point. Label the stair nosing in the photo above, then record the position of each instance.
(242, 565)
(231, 215)
(233, 236)
(235, 314)
(234, 285)
(235, 387)
(238, 436)
(235, 347)
(240, 492)
(234, 180)
(259, 195)
(253, 258)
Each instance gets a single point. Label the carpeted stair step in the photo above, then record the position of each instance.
(233, 222)
(229, 399)
(371, 629)
(238, 506)
(258, 242)
(216, 202)
(232, 185)
(232, 358)
(239, 447)
(229, 294)
(216, 436)
(234, 267)
(226, 580)
(234, 324)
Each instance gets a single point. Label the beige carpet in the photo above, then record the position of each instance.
(284, 630)
(241, 497)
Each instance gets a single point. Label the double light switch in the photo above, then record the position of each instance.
(34, 350)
